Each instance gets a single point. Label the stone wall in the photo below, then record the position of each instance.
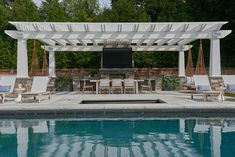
(139, 72)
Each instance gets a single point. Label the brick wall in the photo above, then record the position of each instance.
(7, 72)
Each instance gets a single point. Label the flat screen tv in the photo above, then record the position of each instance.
(117, 58)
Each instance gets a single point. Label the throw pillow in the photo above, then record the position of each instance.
(203, 88)
(231, 87)
(5, 88)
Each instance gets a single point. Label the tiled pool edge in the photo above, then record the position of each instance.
(119, 113)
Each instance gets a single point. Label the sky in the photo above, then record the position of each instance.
(102, 3)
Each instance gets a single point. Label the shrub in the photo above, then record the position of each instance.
(170, 82)
(64, 83)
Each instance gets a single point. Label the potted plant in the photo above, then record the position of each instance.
(170, 83)
(63, 83)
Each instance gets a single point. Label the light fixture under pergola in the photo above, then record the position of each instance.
(64, 36)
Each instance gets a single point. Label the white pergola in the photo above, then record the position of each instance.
(174, 36)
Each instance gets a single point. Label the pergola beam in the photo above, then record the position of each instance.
(134, 48)
(118, 35)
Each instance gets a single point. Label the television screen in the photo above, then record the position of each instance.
(117, 58)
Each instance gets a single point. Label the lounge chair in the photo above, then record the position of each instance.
(229, 83)
(117, 85)
(129, 84)
(189, 83)
(41, 127)
(7, 84)
(39, 88)
(202, 85)
(104, 85)
(7, 127)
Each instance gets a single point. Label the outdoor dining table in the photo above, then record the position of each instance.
(136, 85)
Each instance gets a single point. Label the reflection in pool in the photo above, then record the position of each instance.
(117, 138)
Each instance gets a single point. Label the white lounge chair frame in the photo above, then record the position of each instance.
(7, 80)
(204, 80)
(39, 88)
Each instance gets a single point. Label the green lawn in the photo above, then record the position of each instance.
(229, 94)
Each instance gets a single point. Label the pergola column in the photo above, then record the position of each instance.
(22, 58)
(182, 125)
(181, 65)
(215, 63)
(215, 139)
(52, 64)
(22, 141)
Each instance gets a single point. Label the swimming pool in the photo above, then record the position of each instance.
(117, 137)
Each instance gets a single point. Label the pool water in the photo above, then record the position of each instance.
(117, 138)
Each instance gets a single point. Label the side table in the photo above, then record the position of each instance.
(19, 91)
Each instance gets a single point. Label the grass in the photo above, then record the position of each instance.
(229, 94)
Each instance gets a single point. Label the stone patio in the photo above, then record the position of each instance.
(68, 103)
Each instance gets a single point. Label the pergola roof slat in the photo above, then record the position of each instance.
(60, 42)
(173, 41)
(71, 42)
(49, 42)
(53, 27)
(81, 42)
(185, 41)
(162, 41)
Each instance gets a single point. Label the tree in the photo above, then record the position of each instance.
(52, 11)
(124, 11)
(167, 10)
(81, 11)
(217, 10)
(21, 10)
(13, 10)
(120, 11)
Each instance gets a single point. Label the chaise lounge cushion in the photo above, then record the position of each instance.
(203, 88)
(231, 87)
(5, 88)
